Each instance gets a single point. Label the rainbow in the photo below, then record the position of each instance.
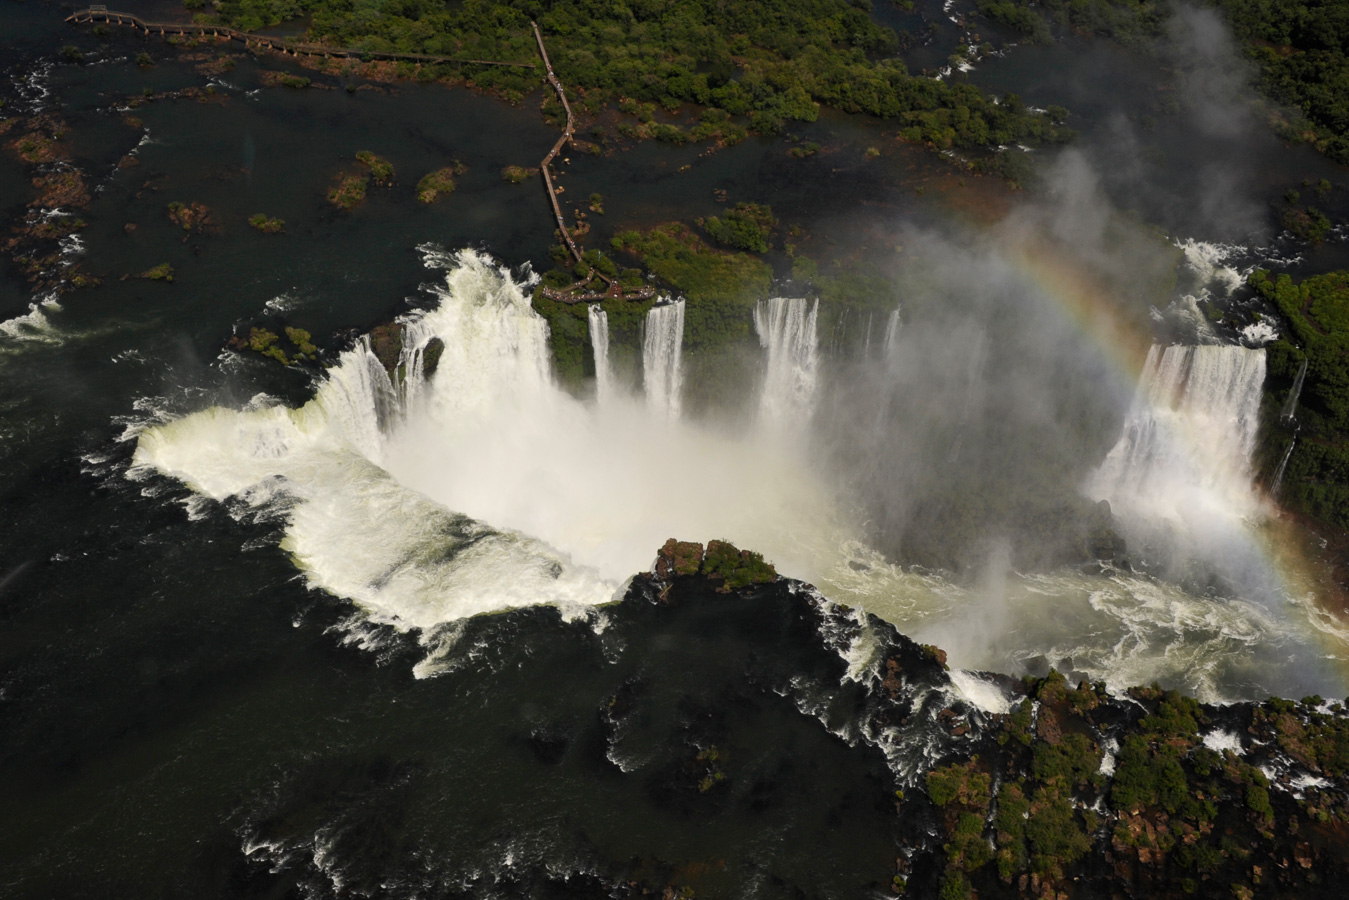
(1287, 553)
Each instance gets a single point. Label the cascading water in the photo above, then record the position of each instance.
(662, 359)
(786, 329)
(599, 343)
(1283, 464)
(1188, 439)
(1289, 412)
(892, 328)
(486, 487)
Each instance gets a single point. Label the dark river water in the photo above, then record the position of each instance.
(182, 715)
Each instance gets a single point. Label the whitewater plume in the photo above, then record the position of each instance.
(599, 343)
(485, 486)
(1289, 412)
(1283, 465)
(1190, 433)
(662, 359)
(786, 329)
(892, 326)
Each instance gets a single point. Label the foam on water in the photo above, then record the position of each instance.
(32, 327)
(1219, 740)
(487, 487)
(1208, 263)
(983, 694)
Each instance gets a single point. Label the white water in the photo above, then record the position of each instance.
(1283, 465)
(786, 329)
(1187, 442)
(1289, 412)
(663, 359)
(388, 493)
(1208, 263)
(892, 329)
(488, 487)
(34, 326)
(599, 343)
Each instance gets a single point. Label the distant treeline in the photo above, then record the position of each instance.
(769, 61)
(1301, 47)
(1316, 478)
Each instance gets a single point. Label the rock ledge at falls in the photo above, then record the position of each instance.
(1037, 788)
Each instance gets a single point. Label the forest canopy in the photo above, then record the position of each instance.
(769, 62)
(1301, 47)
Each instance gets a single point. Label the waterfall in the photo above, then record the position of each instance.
(662, 358)
(892, 327)
(786, 329)
(379, 502)
(1283, 464)
(1290, 408)
(599, 343)
(1189, 436)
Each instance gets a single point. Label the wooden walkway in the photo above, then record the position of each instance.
(576, 293)
(557, 148)
(254, 41)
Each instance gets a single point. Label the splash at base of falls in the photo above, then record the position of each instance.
(487, 487)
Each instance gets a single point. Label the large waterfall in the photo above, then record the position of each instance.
(786, 328)
(599, 343)
(486, 487)
(662, 359)
(1187, 442)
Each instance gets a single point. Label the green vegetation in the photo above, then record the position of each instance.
(191, 217)
(380, 168)
(350, 191)
(722, 288)
(1316, 480)
(569, 332)
(303, 342)
(736, 568)
(517, 174)
(597, 203)
(963, 785)
(765, 62)
(675, 254)
(1302, 47)
(161, 272)
(723, 563)
(437, 184)
(266, 224)
(1130, 22)
(746, 226)
(1175, 813)
(260, 340)
(271, 345)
